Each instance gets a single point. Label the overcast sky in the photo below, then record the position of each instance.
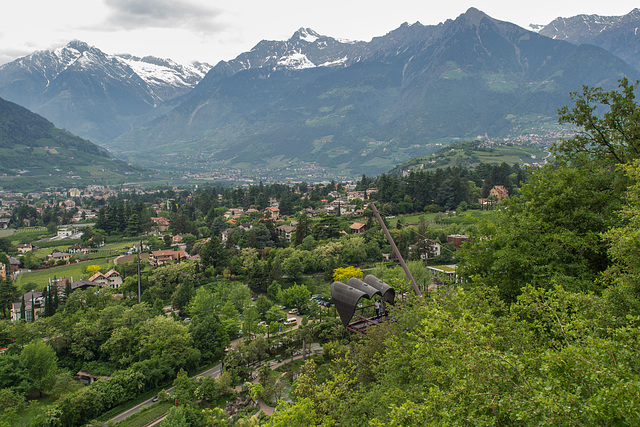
(210, 31)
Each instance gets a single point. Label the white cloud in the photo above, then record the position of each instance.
(136, 14)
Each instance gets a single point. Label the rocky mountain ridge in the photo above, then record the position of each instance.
(619, 35)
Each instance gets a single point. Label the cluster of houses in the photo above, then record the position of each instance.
(72, 198)
(340, 206)
(32, 303)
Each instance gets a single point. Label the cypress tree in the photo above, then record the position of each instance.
(47, 306)
(67, 289)
(22, 309)
(55, 299)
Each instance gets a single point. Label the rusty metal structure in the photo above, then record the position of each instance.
(396, 252)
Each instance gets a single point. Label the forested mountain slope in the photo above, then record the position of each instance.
(34, 151)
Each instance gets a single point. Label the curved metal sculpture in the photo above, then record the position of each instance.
(346, 299)
(359, 284)
(387, 292)
(347, 296)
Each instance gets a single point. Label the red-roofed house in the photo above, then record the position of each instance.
(157, 258)
(358, 227)
(499, 191)
(273, 211)
(111, 279)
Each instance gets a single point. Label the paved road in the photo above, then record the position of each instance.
(215, 372)
(314, 348)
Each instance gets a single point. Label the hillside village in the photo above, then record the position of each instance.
(160, 233)
(275, 245)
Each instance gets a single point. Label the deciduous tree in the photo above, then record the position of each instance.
(41, 365)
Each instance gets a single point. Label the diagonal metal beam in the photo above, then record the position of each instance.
(396, 251)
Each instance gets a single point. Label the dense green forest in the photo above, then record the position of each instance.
(544, 328)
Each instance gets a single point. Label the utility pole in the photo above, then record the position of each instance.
(139, 249)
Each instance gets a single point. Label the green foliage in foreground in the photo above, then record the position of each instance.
(543, 329)
(549, 359)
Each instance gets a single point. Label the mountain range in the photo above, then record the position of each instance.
(365, 107)
(617, 34)
(95, 95)
(318, 107)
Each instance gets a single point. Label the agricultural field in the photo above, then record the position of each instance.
(471, 154)
(466, 217)
(27, 234)
(6, 232)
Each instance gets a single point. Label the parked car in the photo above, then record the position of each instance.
(291, 321)
(293, 311)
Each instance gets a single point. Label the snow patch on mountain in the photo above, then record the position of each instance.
(296, 61)
(154, 74)
(156, 71)
(336, 62)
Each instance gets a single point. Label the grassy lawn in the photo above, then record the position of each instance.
(41, 277)
(415, 219)
(6, 232)
(291, 366)
(411, 219)
(33, 409)
(43, 252)
(443, 267)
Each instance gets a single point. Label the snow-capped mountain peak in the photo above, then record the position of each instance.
(304, 49)
(78, 45)
(165, 78)
(159, 72)
(306, 34)
(109, 91)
